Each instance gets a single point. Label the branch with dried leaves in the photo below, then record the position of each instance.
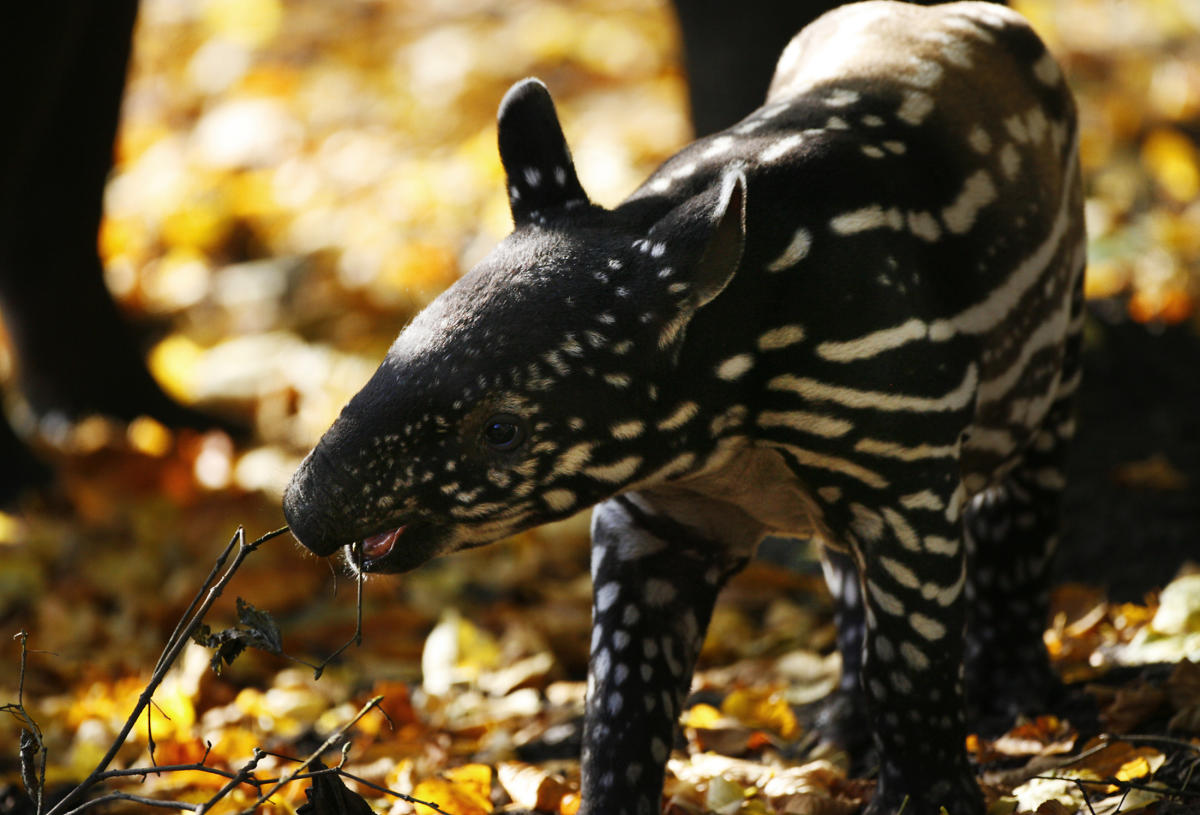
(257, 630)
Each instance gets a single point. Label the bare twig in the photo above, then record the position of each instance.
(139, 799)
(222, 572)
(1152, 739)
(201, 603)
(1082, 791)
(333, 738)
(339, 770)
(378, 788)
(360, 577)
(199, 766)
(32, 734)
(242, 776)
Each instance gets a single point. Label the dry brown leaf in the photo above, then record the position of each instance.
(532, 787)
(1132, 705)
(1045, 735)
(1154, 473)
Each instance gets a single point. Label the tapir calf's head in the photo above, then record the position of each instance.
(518, 396)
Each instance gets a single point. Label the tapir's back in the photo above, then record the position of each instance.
(914, 204)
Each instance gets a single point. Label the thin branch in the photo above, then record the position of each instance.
(360, 577)
(138, 799)
(164, 768)
(378, 788)
(29, 726)
(1087, 801)
(175, 645)
(242, 776)
(333, 738)
(186, 617)
(1151, 739)
(340, 771)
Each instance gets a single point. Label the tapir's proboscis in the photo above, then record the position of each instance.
(854, 315)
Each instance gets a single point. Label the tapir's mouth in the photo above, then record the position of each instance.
(377, 546)
(398, 550)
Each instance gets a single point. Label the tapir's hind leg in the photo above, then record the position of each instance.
(842, 718)
(1011, 531)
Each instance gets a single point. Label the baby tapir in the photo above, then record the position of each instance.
(854, 314)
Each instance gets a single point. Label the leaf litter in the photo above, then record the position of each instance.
(284, 203)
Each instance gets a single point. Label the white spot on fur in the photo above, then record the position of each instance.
(1046, 70)
(977, 192)
(927, 627)
(979, 140)
(559, 500)
(861, 220)
(915, 107)
(1010, 161)
(627, 430)
(681, 415)
(781, 148)
(606, 595)
(781, 337)
(795, 252)
(735, 367)
(616, 472)
(924, 226)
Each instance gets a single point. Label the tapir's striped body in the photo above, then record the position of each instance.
(854, 313)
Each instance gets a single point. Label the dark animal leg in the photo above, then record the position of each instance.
(655, 583)
(912, 565)
(1011, 533)
(841, 718)
(75, 354)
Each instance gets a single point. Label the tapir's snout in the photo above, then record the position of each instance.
(309, 505)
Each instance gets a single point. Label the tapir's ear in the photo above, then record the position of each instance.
(706, 235)
(541, 175)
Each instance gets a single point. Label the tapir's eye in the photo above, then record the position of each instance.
(503, 432)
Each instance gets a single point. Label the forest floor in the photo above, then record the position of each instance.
(294, 181)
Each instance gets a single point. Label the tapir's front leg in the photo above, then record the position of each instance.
(655, 582)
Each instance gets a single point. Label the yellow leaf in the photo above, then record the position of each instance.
(149, 436)
(1173, 160)
(249, 22)
(1135, 768)
(570, 804)
(464, 790)
(173, 363)
(456, 651)
(702, 717)
(11, 530)
(200, 224)
(765, 708)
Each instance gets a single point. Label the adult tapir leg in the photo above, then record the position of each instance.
(66, 73)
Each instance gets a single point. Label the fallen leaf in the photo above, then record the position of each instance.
(328, 795)
(464, 790)
(532, 787)
(1132, 705)
(1154, 473)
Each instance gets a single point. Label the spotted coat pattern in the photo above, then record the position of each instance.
(855, 314)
